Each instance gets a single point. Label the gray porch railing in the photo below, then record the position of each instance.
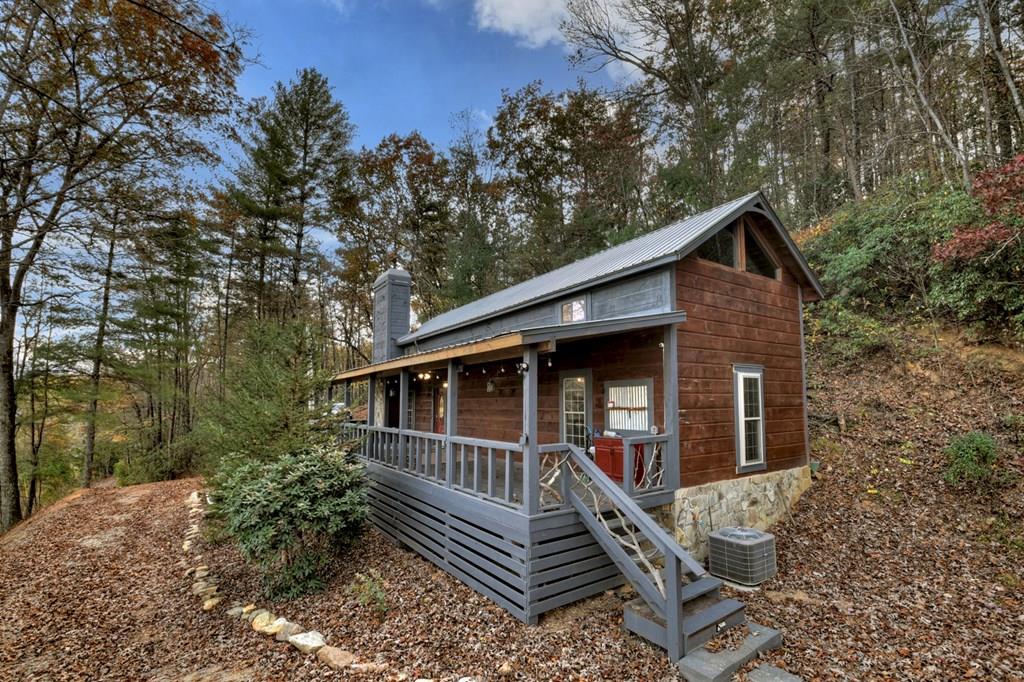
(488, 469)
(493, 470)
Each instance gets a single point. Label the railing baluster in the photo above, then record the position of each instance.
(490, 472)
(628, 467)
(476, 468)
(462, 465)
(508, 476)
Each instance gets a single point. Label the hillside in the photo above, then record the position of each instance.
(885, 570)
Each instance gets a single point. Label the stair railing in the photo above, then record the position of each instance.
(648, 556)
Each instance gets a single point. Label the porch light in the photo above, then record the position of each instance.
(549, 361)
(444, 385)
(522, 367)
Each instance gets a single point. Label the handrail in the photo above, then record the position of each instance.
(636, 515)
(484, 443)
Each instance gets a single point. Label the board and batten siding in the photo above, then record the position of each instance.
(735, 317)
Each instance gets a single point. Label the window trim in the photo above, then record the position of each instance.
(588, 399)
(740, 372)
(645, 381)
(586, 308)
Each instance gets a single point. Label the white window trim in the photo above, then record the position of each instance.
(585, 298)
(649, 384)
(588, 399)
(741, 372)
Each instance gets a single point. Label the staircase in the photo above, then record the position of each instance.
(679, 607)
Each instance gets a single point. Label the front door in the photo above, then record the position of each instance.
(439, 408)
(575, 404)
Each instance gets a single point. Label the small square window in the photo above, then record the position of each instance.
(574, 311)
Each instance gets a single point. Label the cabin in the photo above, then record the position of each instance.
(589, 426)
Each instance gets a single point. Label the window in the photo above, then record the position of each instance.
(628, 405)
(758, 260)
(575, 402)
(574, 311)
(720, 247)
(749, 392)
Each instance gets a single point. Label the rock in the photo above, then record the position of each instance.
(210, 603)
(186, 546)
(262, 620)
(235, 612)
(253, 615)
(368, 668)
(505, 669)
(248, 608)
(199, 585)
(273, 627)
(307, 642)
(287, 631)
(202, 573)
(207, 592)
(193, 499)
(335, 658)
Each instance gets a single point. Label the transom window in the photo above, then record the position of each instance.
(628, 405)
(575, 414)
(574, 310)
(749, 391)
(720, 247)
(758, 260)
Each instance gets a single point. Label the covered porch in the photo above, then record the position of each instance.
(466, 450)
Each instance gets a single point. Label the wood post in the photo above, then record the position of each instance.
(347, 395)
(403, 415)
(670, 368)
(371, 399)
(451, 420)
(673, 608)
(531, 475)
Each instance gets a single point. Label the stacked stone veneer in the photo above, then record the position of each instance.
(756, 501)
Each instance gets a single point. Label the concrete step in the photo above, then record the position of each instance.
(701, 665)
(769, 673)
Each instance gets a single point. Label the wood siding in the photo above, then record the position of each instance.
(498, 415)
(735, 317)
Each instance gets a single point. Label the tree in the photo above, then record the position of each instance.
(91, 89)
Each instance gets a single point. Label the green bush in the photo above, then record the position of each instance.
(292, 516)
(972, 460)
(368, 589)
(843, 335)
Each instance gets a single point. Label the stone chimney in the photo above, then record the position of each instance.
(391, 313)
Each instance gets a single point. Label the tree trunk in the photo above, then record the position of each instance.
(97, 365)
(10, 494)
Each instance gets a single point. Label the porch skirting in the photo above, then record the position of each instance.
(756, 501)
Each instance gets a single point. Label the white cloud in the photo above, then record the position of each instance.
(340, 6)
(535, 23)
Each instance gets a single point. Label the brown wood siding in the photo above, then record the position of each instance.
(498, 415)
(734, 317)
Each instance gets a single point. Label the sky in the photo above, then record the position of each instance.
(404, 65)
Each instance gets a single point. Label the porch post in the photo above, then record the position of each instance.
(403, 414)
(371, 399)
(531, 476)
(346, 395)
(451, 420)
(670, 367)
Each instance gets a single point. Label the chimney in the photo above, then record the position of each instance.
(391, 313)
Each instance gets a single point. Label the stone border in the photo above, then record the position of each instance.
(263, 621)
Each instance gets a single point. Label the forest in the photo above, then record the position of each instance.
(166, 299)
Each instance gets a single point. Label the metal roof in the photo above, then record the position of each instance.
(672, 241)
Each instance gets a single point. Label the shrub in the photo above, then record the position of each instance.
(972, 460)
(843, 334)
(368, 589)
(292, 516)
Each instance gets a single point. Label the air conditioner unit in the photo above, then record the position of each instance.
(742, 555)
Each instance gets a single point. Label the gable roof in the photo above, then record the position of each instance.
(666, 244)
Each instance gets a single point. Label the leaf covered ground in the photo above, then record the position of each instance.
(885, 571)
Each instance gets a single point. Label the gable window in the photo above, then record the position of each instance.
(748, 386)
(720, 247)
(574, 310)
(575, 408)
(758, 261)
(629, 406)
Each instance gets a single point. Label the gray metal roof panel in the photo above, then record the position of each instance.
(670, 240)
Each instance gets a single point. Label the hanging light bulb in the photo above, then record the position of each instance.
(549, 361)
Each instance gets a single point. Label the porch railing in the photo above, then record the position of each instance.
(493, 470)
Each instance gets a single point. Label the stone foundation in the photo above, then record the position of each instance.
(756, 501)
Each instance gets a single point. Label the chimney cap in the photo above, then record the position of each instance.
(392, 275)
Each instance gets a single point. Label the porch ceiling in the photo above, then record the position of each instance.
(511, 344)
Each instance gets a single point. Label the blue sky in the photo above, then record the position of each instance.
(403, 65)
